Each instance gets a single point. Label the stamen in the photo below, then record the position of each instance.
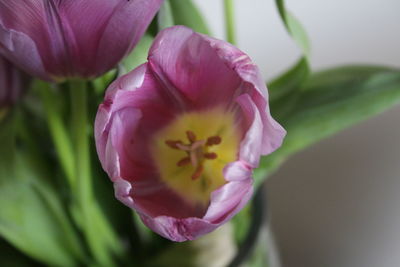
(173, 144)
(191, 136)
(197, 144)
(211, 155)
(183, 147)
(213, 140)
(183, 162)
(198, 172)
(196, 152)
(194, 158)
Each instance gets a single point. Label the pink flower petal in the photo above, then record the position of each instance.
(250, 149)
(273, 132)
(75, 38)
(124, 30)
(20, 49)
(183, 59)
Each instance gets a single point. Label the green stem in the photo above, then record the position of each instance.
(229, 21)
(58, 131)
(80, 139)
(99, 234)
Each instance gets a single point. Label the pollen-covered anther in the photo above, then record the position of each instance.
(198, 172)
(191, 136)
(210, 155)
(213, 140)
(183, 162)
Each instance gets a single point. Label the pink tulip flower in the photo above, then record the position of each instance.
(12, 84)
(58, 39)
(180, 135)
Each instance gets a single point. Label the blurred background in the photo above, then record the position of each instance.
(338, 202)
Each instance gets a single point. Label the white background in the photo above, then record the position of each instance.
(337, 203)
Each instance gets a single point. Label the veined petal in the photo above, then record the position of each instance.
(273, 132)
(225, 203)
(250, 149)
(123, 31)
(196, 63)
(86, 21)
(27, 17)
(76, 38)
(20, 49)
(137, 91)
(40, 21)
(187, 61)
(178, 230)
(102, 123)
(228, 200)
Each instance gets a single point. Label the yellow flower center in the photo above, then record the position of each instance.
(191, 152)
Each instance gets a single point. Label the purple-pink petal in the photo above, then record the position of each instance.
(20, 49)
(13, 83)
(273, 132)
(191, 66)
(72, 38)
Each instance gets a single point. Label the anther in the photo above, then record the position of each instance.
(211, 155)
(213, 140)
(198, 172)
(191, 136)
(196, 153)
(183, 162)
(173, 144)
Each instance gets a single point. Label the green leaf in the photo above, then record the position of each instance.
(294, 28)
(139, 55)
(144, 232)
(34, 221)
(101, 83)
(165, 17)
(283, 91)
(3, 113)
(329, 102)
(186, 13)
(286, 85)
(32, 217)
(289, 81)
(7, 143)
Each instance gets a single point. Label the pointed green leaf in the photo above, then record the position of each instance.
(186, 13)
(31, 215)
(33, 219)
(294, 28)
(139, 55)
(165, 17)
(329, 102)
(289, 81)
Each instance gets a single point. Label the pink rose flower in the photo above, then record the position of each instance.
(180, 135)
(57, 39)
